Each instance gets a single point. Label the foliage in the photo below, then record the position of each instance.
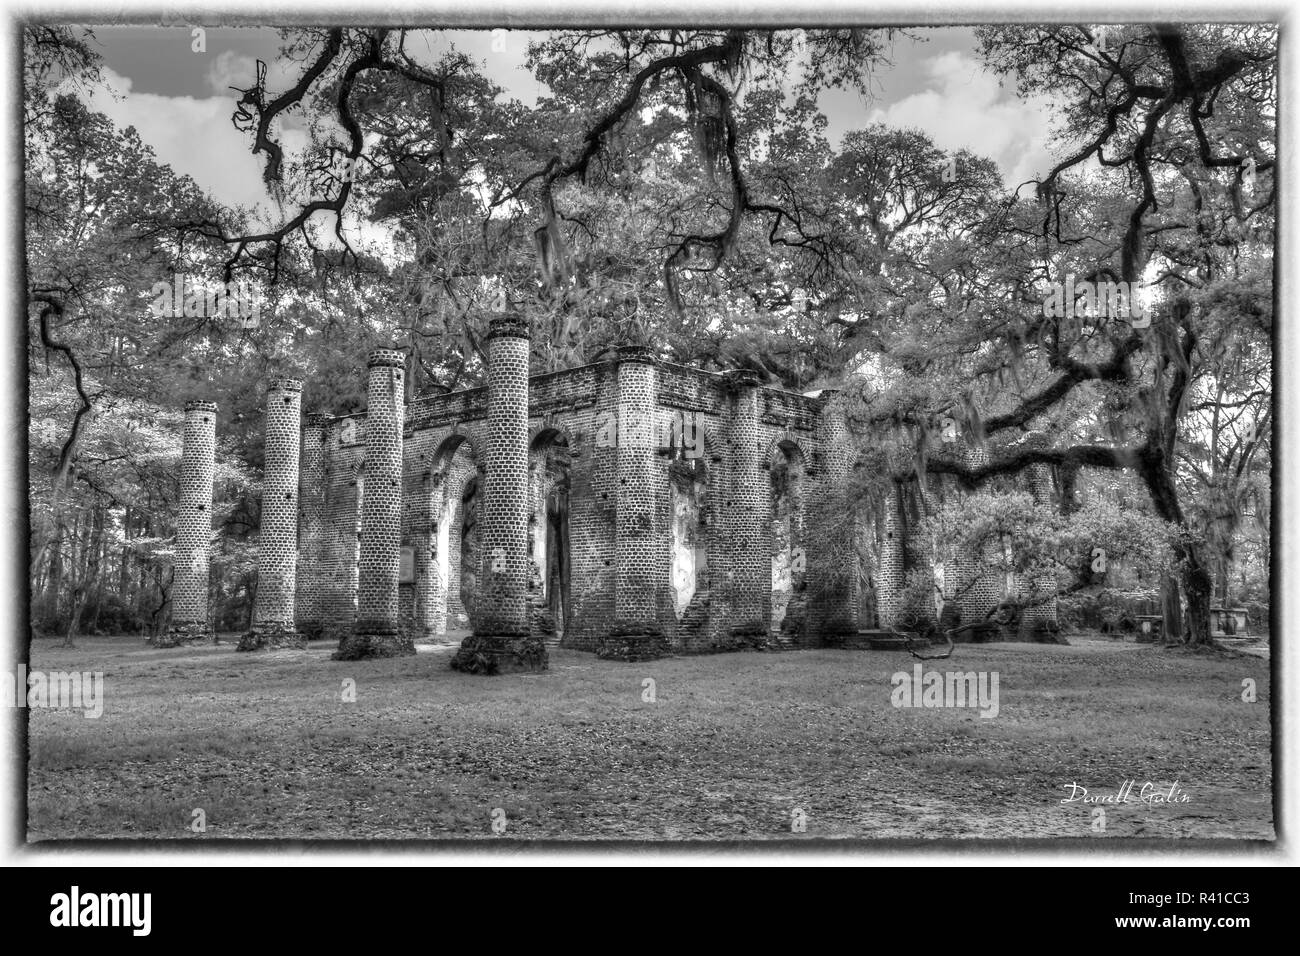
(677, 188)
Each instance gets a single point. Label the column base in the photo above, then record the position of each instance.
(500, 654)
(632, 642)
(366, 643)
(336, 631)
(753, 636)
(182, 633)
(835, 633)
(272, 637)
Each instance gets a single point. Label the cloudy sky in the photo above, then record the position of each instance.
(181, 100)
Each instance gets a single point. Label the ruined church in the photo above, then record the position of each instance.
(630, 507)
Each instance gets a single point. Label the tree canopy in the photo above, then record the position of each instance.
(676, 187)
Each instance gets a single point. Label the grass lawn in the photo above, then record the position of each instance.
(731, 747)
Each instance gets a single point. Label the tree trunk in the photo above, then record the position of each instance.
(1172, 609)
(54, 580)
(1198, 587)
(158, 616)
(88, 583)
(1196, 581)
(124, 566)
(144, 579)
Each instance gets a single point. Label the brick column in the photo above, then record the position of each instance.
(502, 641)
(313, 566)
(189, 594)
(748, 516)
(377, 632)
(831, 548)
(277, 544)
(638, 569)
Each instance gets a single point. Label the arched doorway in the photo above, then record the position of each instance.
(789, 560)
(549, 464)
(453, 558)
(688, 483)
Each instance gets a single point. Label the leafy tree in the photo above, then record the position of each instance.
(1159, 109)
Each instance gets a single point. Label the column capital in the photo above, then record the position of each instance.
(387, 358)
(284, 385)
(200, 407)
(636, 353)
(510, 325)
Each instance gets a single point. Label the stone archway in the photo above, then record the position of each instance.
(549, 463)
(453, 555)
(462, 590)
(788, 622)
(688, 503)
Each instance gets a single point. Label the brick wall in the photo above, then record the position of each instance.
(692, 553)
(593, 484)
(311, 578)
(342, 459)
(833, 572)
(617, 422)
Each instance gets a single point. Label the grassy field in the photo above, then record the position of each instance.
(731, 747)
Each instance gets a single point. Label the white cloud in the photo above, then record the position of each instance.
(230, 70)
(966, 109)
(196, 138)
(193, 136)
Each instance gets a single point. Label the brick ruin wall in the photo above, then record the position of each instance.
(715, 546)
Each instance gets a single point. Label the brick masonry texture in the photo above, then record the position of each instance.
(836, 589)
(635, 633)
(274, 624)
(342, 454)
(630, 507)
(376, 632)
(503, 639)
(189, 616)
(308, 603)
(642, 580)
